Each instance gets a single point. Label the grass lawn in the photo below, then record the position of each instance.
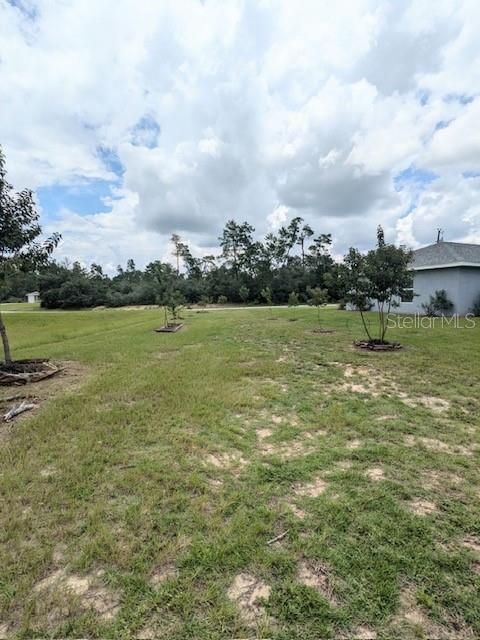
(19, 306)
(144, 501)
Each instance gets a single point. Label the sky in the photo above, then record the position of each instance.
(133, 120)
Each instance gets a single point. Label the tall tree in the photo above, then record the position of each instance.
(235, 241)
(20, 249)
(177, 249)
(305, 232)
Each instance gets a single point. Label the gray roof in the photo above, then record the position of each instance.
(446, 254)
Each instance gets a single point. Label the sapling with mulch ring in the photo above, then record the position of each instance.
(20, 250)
(381, 277)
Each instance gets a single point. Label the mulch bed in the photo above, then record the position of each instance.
(373, 345)
(21, 372)
(169, 328)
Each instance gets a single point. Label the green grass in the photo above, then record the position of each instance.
(19, 306)
(115, 475)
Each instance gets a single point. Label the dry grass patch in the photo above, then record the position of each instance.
(421, 507)
(364, 633)
(472, 543)
(285, 451)
(316, 574)
(297, 512)
(437, 445)
(435, 404)
(87, 589)
(311, 489)
(226, 461)
(163, 573)
(412, 617)
(354, 444)
(262, 434)
(434, 480)
(344, 465)
(375, 474)
(367, 380)
(247, 592)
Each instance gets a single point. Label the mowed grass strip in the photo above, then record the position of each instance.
(142, 502)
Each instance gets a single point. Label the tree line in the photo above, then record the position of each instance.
(245, 270)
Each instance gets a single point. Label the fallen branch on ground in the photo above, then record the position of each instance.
(7, 377)
(281, 536)
(16, 411)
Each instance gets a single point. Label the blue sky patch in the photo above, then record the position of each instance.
(146, 132)
(84, 198)
(26, 7)
(111, 160)
(459, 97)
(412, 175)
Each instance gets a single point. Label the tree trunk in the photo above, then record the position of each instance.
(6, 345)
(365, 326)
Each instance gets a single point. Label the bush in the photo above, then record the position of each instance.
(222, 300)
(476, 307)
(439, 304)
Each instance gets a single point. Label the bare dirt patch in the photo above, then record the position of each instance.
(435, 404)
(297, 512)
(375, 474)
(354, 444)
(285, 451)
(412, 617)
(437, 445)
(247, 592)
(88, 589)
(72, 375)
(421, 507)
(472, 543)
(344, 465)
(226, 460)
(311, 489)
(264, 433)
(432, 480)
(366, 380)
(364, 633)
(386, 418)
(163, 573)
(316, 574)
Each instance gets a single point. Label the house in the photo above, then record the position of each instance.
(34, 296)
(453, 266)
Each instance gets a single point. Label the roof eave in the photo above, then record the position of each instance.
(449, 265)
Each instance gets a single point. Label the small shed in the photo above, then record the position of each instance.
(33, 296)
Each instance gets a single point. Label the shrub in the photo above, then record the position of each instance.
(244, 292)
(222, 300)
(438, 304)
(476, 307)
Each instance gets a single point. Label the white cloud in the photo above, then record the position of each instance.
(259, 110)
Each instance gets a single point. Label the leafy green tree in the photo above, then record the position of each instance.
(266, 294)
(243, 292)
(236, 241)
(20, 248)
(381, 277)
